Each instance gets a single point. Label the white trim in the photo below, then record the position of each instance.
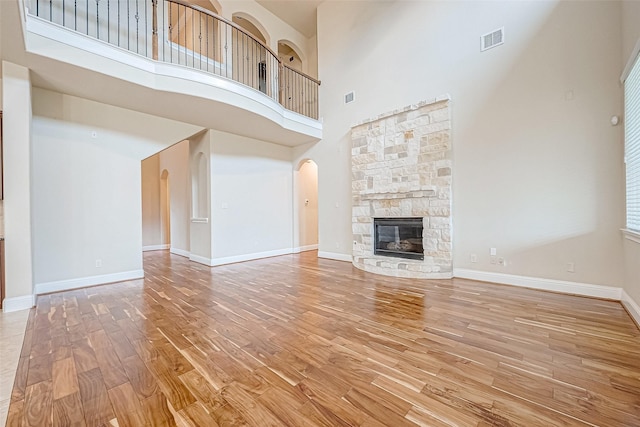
(335, 256)
(632, 307)
(632, 235)
(305, 248)
(83, 282)
(155, 248)
(584, 289)
(181, 50)
(249, 257)
(632, 59)
(18, 303)
(200, 220)
(200, 259)
(180, 252)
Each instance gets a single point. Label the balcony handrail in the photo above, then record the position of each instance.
(300, 72)
(236, 26)
(191, 36)
(226, 21)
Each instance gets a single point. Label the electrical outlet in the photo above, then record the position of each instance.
(501, 261)
(493, 259)
(98, 263)
(473, 258)
(571, 267)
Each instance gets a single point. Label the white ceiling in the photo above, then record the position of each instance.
(300, 14)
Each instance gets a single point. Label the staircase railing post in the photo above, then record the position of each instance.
(280, 83)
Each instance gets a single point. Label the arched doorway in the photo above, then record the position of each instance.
(252, 64)
(252, 26)
(165, 209)
(289, 55)
(306, 232)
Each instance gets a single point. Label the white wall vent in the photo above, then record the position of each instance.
(492, 39)
(350, 97)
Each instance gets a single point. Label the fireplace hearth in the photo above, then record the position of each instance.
(398, 237)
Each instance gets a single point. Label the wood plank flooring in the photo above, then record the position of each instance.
(12, 327)
(301, 341)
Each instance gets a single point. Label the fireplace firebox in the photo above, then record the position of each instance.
(398, 237)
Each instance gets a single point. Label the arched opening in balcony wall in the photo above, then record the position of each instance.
(291, 55)
(297, 92)
(252, 26)
(210, 5)
(195, 38)
(254, 64)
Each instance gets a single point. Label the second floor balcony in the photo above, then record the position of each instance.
(182, 36)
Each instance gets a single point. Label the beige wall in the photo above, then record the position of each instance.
(312, 61)
(86, 204)
(251, 190)
(630, 28)
(151, 220)
(632, 270)
(86, 189)
(17, 115)
(175, 160)
(537, 166)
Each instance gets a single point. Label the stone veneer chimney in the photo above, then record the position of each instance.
(401, 167)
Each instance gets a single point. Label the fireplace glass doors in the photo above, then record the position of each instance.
(398, 237)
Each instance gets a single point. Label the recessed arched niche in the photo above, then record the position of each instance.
(200, 187)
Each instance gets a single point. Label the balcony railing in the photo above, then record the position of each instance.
(179, 33)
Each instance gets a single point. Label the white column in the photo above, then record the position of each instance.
(16, 101)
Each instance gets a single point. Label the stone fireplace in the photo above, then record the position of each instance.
(401, 177)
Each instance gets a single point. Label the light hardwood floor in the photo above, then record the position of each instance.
(296, 340)
(12, 327)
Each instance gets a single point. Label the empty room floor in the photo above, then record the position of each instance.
(296, 340)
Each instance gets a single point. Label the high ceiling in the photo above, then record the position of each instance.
(300, 14)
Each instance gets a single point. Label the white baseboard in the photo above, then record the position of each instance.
(83, 282)
(305, 248)
(585, 289)
(180, 252)
(335, 256)
(155, 248)
(18, 303)
(632, 307)
(200, 259)
(249, 257)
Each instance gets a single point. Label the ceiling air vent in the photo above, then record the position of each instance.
(492, 39)
(350, 97)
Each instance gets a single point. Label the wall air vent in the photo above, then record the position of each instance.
(492, 39)
(350, 97)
